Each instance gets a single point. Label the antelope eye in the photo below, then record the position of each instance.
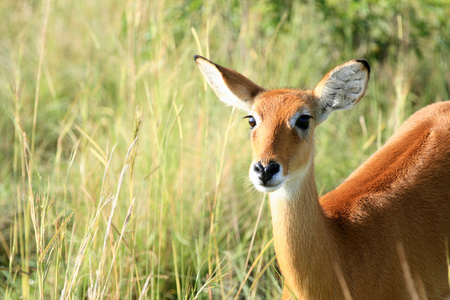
(303, 122)
(251, 121)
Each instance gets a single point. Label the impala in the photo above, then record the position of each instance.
(383, 233)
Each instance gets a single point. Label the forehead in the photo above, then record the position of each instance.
(283, 103)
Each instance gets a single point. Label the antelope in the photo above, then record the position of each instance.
(383, 233)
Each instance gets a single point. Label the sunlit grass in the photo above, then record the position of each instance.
(122, 176)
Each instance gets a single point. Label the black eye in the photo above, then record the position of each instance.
(303, 122)
(251, 121)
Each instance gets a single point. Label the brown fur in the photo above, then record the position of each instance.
(398, 200)
(383, 233)
(400, 197)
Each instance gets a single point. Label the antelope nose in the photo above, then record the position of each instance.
(266, 173)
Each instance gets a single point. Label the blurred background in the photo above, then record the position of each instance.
(121, 174)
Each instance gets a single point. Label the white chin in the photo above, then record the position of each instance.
(267, 188)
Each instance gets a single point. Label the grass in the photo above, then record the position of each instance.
(122, 176)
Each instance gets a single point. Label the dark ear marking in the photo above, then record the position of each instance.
(365, 63)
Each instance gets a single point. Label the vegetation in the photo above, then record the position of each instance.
(121, 174)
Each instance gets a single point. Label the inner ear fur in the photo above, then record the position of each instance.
(230, 86)
(342, 88)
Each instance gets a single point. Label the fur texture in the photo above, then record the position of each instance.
(383, 233)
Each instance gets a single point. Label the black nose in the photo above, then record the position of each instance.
(266, 173)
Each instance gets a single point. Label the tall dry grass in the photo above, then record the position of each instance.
(122, 176)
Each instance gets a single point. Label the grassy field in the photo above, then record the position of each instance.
(121, 174)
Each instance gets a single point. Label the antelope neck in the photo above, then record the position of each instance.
(303, 239)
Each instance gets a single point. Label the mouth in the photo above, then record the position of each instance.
(267, 187)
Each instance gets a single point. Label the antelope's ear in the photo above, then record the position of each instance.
(342, 87)
(231, 87)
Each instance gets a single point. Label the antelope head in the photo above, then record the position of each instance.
(283, 121)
